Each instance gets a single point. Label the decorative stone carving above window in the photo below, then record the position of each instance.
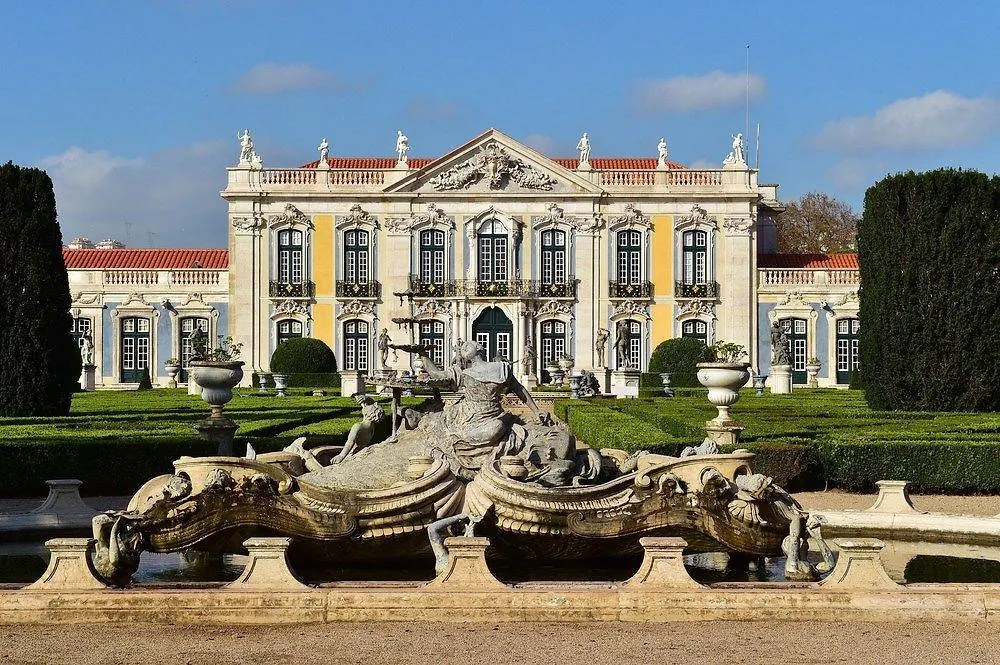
(434, 308)
(698, 217)
(554, 308)
(292, 307)
(434, 216)
(590, 224)
(494, 164)
(632, 217)
(851, 298)
(358, 217)
(251, 223)
(631, 308)
(292, 216)
(737, 225)
(356, 308)
(696, 308)
(80, 299)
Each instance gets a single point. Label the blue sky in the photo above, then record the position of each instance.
(133, 107)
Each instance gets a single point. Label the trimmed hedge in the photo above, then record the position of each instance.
(303, 355)
(679, 356)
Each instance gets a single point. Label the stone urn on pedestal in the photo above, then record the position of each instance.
(566, 365)
(172, 367)
(665, 381)
(812, 372)
(280, 383)
(724, 375)
(217, 380)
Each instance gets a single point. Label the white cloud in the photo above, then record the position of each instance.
(939, 119)
(543, 143)
(716, 89)
(269, 78)
(173, 193)
(432, 110)
(703, 163)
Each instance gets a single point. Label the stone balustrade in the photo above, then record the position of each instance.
(189, 277)
(806, 277)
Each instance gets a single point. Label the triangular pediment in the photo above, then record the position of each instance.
(494, 163)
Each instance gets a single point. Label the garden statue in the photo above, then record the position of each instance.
(623, 344)
(198, 339)
(589, 385)
(601, 344)
(402, 146)
(528, 357)
(384, 341)
(583, 145)
(86, 349)
(780, 346)
(360, 436)
(324, 152)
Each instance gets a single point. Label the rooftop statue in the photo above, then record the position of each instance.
(402, 146)
(324, 151)
(522, 480)
(661, 151)
(583, 145)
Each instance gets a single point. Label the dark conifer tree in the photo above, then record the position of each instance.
(39, 360)
(929, 249)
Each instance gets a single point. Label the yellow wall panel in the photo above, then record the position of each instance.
(662, 328)
(662, 255)
(322, 258)
(323, 322)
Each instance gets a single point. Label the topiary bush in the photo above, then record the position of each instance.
(929, 247)
(679, 356)
(303, 355)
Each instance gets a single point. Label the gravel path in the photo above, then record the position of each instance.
(745, 642)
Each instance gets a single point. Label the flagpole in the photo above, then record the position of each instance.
(746, 126)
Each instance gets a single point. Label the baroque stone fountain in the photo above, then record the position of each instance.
(521, 480)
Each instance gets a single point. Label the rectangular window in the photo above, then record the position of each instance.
(485, 260)
(128, 352)
(503, 347)
(500, 259)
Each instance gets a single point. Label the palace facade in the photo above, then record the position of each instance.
(532, 256)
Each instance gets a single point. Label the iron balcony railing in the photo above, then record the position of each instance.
(633, 290)
(706, 290)
(278, 289)
(347, 289)
(471, 288)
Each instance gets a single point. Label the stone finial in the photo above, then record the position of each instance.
(267, 568)
(859, 566)
(69, 567)
(662, 565)
(467, 565)
(893, 497)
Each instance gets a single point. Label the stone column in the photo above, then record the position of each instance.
(662, 566)
(88, 378)
(467, 565)
(859, 566)
(267, 568)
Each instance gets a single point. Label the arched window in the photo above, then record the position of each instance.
(553, 257)
(290, 257)
(695, 329)
(796, 330)
(553, 339)
(695, 250)
(134, 348)
(82, 326)
(356, 257)
(847, 348)
(187, 326)
(493, 243)
(432, 256)
(629, 257)
(432, 335)
(356, 345)
(289, 329)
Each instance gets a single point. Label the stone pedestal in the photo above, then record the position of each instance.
(193, 387)
(859, 566)
(893, 497)
(351, 383)
(530, 382)
(220, 430)
(69, 567)
(88, 380)
(780, 379)
(267, 568)
(625, 383)
(467, 565)
(62, 509)
(662, 566)
(724, 432)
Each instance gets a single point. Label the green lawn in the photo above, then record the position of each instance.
(812, 437)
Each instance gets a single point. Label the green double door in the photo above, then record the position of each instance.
(134, 347)
(494, 331)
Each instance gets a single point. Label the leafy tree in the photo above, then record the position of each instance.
(679, 356)
(39, 360)
(929, 248)
(816, 224)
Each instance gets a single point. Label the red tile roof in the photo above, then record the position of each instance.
(145, 259)
(809, 261)
(598, 163)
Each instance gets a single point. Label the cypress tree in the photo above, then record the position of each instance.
(39, 360)
(929, 249)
